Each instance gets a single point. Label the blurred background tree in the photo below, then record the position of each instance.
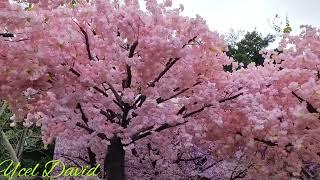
(247, 49)
(245, 46)
(24, 143)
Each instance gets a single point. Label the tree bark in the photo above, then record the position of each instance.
(114, 161)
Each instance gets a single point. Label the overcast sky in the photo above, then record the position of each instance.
(221, 15)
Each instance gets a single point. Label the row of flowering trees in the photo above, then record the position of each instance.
(144, 92)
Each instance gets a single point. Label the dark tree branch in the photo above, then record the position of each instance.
(74, 72)
(19, 40)
(269, 143)
(230, 98)
(193, 39)
(87, 42)
(116, 95)
(6, 34)
(182, 110)
(310, 107)
(140, 134)
(299, 98)
(141, 99)
(167, 68)
(100, 91)
(83, 116)
(241, 174)
(134, 152)
(160, 100)
(197, 111)
(202, 170)
(187, 160)
(92, 157)
(289, 147)
(109, 114)
(126, 109)
(90, 131)
(197, 83)
(118, 104)
(126, 83)
(147, 131)
(102, 136)
(132, 49)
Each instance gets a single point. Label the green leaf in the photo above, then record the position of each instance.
(29, 8)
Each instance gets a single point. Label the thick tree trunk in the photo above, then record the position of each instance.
(114, 161)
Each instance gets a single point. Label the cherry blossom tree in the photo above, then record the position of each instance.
(275, 122)
(104, 75)
(144, 93)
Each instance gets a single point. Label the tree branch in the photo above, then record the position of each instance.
(186, 160)
(202, 170)
(90, 131)
(160, 100)
(83, 116)
(138, 135)
(230, 98)
(241, 174)
(92, 157)
(310, 107)
(7, 34)
(170, 63)
(269, 143)
(126, 83)
(299, 98)
(140, 100)
(87, 42)
(116, 95)
(74, 72)
(100, 91)
(165, 126)
(193, 39)
(197, 111)
(132, 49)
(109, 114)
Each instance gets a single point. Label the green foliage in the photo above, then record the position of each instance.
(247, 49)
(278, 27)
(33, 148)
(288, 28)
(29, 7)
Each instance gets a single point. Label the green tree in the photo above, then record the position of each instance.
(21, 144)
(247, 49)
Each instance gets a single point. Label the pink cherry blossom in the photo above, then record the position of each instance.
(144, 93)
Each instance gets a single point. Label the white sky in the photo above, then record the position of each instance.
(221, 15)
